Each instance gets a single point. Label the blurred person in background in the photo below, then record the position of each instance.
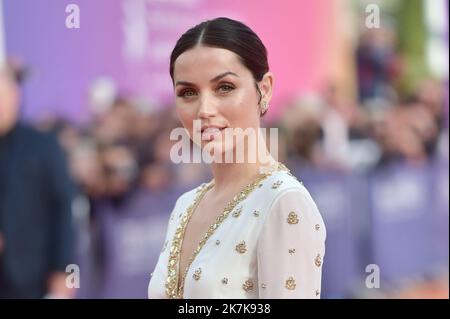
(301, 123)
(378, 64)
(36, 193)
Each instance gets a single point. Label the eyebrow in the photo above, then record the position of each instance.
(215, 79)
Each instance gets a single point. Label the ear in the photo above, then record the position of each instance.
(265, 85)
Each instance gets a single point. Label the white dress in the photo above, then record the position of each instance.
(269, 242)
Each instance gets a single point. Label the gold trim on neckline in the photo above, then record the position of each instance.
(173, 290)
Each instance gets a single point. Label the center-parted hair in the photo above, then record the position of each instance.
(226, 34)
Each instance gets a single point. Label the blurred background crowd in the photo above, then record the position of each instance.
(370, 142)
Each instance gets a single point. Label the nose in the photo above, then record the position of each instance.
(207, 107)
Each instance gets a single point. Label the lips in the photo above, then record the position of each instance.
(209, 132)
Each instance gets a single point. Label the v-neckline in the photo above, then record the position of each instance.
(174, 284)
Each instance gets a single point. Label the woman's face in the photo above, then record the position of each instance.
(213, 86)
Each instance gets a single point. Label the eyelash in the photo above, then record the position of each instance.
(182, 93)
(229, 87)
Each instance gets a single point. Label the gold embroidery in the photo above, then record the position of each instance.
(292, 218)
(256, 213)
(290, 284)
(173, 273)
(248, 285)
(224, 281)
(197, 274)
(237, 212)
(173, 289)
(201, 188)
(318, 260)
(277, 184)
(241, 247)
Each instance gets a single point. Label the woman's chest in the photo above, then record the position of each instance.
(226, 263)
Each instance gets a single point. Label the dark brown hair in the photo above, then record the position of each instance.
(227, 34)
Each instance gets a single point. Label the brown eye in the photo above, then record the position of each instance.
(186, 93)
(225, 88)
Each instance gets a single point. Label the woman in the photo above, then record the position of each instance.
(253, 231)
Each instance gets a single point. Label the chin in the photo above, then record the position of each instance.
(220, 146)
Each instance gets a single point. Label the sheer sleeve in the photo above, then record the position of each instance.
(291, 247)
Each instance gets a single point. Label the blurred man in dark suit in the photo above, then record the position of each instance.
(36, 227)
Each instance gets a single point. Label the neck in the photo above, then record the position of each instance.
(226, 174)
(234, 176)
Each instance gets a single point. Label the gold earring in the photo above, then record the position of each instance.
(264, 107)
